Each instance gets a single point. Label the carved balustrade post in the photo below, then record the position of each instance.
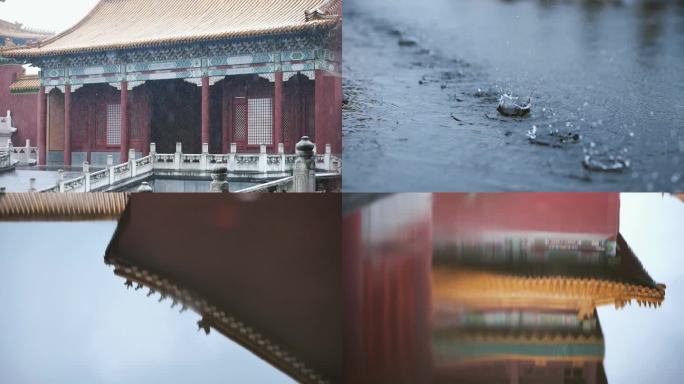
(231, 156)
(131, 162)
(204, 164)
(177, 156)
(219, 180)
(27, 151)
(60, 178)
(86, 176)
(145, 187)
(263, 160)
(110, 167)
(328, 158)
(304, 170)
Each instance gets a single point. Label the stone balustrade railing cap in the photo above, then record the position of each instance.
(305, 145)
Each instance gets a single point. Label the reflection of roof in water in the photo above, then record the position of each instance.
(546, 284)
(488, 355)
(539, 325)
(549, 348)
(247, 268)
(625, 267)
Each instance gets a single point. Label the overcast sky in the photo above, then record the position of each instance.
(51, 15)
(646, 344)
(66, 318)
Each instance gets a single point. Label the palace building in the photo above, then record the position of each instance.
(15, 34)
(16, 87)
(224, 73)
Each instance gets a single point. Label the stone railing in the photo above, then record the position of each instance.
(253, 166)
(5, 160)
(280, 185)
(257, 165)
(26, 155)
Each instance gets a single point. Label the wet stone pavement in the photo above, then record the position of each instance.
(423, 83)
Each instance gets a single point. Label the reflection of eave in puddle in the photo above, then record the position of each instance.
(495, 287)
(486, 289)
(528, 352)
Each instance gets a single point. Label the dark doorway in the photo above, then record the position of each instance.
(176, 115)
(298, 110)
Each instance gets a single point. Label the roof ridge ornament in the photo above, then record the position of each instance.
(317, 14)
(330, 9)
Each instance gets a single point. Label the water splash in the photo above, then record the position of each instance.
(512, 106)
(605, 163)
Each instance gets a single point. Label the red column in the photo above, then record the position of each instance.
(320, 111)
(42, 124)
(328, 111)
(278, 110)
(67, 125)
(205, 110)
(226, 124)
(123, 154)
(148, 119)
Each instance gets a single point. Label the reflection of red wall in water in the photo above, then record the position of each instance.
(528, 372)
(468, 214)
(387, 299)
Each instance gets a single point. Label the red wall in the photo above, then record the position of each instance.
(387, 293)
(24, 107)
(328, 112)
(462, 215)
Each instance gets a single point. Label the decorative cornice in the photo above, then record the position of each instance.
(265, 64)
(214, 317)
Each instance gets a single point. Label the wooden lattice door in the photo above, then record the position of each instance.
(252, 122)
(240, 122)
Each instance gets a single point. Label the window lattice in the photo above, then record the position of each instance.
(240, 121)
(113, 124)
(260, 121)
